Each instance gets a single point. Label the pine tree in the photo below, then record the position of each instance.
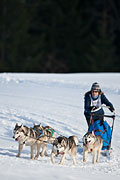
(13, 28)
(102, 57)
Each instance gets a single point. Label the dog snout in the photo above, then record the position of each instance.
(57, 151)
(13, 137)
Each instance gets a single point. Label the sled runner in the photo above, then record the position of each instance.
(103, 129)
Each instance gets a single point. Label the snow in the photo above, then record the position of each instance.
(56, 100)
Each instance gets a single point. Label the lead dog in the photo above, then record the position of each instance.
(93, 144)
(63, 145)
(32, 138)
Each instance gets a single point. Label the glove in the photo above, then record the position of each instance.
(111, 109)
(92, 108)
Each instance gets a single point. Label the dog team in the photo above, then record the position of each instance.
(38, 137)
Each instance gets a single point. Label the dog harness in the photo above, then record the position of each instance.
(51, 131)
(38, 132)
(91, 150)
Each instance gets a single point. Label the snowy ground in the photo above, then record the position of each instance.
(55, 100)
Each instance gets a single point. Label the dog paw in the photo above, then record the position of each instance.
(61, 163)
(36, 158)
(52, 160)
(46, 155)
(17, 155)
(41, 155)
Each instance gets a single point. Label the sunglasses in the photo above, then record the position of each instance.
(94, 91)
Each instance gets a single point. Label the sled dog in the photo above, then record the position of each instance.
(46, 130)
(48, 135)
(32, 138)
(63, 145)
(93, 144)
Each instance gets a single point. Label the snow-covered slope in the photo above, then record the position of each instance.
(56, 100)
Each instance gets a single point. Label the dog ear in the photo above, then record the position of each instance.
(40, 125)
(22, 126)
(93, 133)
(63, 142)
(55, 142)
(16, 125)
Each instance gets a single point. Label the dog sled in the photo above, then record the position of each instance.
(104, 129)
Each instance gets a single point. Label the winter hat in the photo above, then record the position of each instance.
(95, 86)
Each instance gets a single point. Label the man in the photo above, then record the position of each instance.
(93, 103)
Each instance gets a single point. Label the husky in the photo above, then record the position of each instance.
(46, 130)
(29, 137)
(49, 134)
(63, 145)
(93, 144)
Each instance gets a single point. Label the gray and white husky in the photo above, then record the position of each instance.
(48, 135)
(93, 144)
(46, 130)
(30, 137)
(63, 145)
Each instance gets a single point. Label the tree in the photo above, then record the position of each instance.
(13, 27)
(102, 57)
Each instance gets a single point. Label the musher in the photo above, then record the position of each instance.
(94, 99)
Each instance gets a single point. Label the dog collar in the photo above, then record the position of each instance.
(91, 149)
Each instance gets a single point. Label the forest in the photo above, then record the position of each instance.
(59, 36)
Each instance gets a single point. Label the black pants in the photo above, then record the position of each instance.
(88, 120)
(95, 118)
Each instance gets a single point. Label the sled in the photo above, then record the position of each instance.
(103, 129)
(106, 152)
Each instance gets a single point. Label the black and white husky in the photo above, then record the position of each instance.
(93, 144)
(32, 137)
(63, 145)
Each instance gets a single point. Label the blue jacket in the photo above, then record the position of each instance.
(87, 104)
